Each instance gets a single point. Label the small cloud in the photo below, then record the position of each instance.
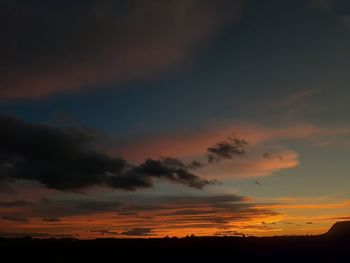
(228, 149)
(257, 182)
(266, 155)
(137, 231)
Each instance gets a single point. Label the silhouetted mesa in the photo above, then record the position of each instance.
(339, 229)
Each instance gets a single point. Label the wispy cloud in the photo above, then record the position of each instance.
(52, 219)
(191, 143)
(261, 139)
(93, 43)
(253, 166)
(15, 219)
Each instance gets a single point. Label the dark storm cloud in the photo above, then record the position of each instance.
(174, 171)
(137, 231)
(64, 159)
(51, 46)
(228, 149)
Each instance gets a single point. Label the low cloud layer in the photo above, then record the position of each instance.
(138, 231)
(142, 215)
(15, 219)
(161, 215)
(64, 159)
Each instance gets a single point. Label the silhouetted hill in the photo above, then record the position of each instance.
(339, 229)
(330, 247)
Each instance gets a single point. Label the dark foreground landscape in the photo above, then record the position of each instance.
(333, 246)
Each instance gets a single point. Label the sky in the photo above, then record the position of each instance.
(173, 117)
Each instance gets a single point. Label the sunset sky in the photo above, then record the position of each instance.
(148, 118)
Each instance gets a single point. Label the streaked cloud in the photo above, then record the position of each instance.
(137, 231)
(261, 139)
(253, 166)
(88, 44)
(15, 219)
(158, 216)
(192, 143)
(34, 235)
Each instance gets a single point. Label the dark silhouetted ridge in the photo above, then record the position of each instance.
(331, 247)
(340, 229)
